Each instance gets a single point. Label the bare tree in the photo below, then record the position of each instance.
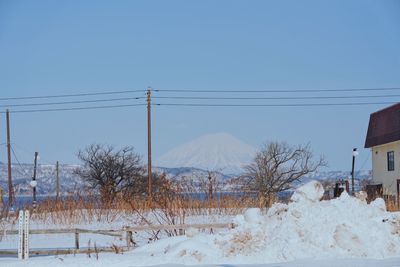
(276, 166)
(112, 171)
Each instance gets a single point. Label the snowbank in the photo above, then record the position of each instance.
(306, 228)
(312, 191)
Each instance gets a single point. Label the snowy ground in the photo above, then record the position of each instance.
(306, 232)
(128, 259)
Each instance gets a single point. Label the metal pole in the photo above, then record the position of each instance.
(210, 187)
(34, 178)
(352, 170)
(149, 142)
(57, 182)
(10, 184)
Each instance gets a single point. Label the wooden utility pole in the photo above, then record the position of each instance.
(10, 184)
(34, 183)
(57, 182)
(149, 171)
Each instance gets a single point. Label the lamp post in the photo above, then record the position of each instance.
(355, 154)
(33, 183)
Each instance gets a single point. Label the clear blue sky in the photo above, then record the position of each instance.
(62, 47)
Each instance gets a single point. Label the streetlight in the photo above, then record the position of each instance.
(355, 154)
(33, 183)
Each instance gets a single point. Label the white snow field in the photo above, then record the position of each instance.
(306, 232)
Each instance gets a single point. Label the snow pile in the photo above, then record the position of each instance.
(312, 191)
(305, 228)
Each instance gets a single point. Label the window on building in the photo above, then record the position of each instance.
(390, 160)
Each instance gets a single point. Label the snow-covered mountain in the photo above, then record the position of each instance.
(217, 152)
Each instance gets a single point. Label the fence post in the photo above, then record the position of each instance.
(129, 238)
(76, 239)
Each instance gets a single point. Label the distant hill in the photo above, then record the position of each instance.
(22, 175)
(46, 178)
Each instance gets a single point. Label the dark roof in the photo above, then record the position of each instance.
(384, 126)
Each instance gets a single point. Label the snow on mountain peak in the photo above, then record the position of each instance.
(216, 152)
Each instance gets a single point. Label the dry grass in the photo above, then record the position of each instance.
(391, 203)
(163, 209)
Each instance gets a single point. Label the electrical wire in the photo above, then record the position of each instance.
(73, 108)
(204, 91)
(20, 165)
(193, 98)
(272, 98)
(365, 161)
(30, 153)
(284, 91)
(314, 97)
(201, 105)
(72, 102)
(272, 105)
(73, 95)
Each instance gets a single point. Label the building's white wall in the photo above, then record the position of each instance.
(380, 173)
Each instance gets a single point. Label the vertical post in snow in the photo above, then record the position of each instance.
(76, 239)
(210, 187)
(149, 171)
(355, 153)
(20, 234)
(10, 184)
(57, 182)
(129, 238)
(23, 234)
(210, 192)
(26, 235)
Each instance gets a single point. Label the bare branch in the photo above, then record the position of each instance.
(276, 166)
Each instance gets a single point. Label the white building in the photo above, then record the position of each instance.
(383, 137)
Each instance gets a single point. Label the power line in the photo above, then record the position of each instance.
(204, 91)
(194, 98)
(273, 98)
(72, 102)
(273, 105)
(284, 91)
(73, 95)
(73, 108)
(365, 161)
(202, 98)
(29, 153)
(201, 91)
(20, 165)
(201, 105)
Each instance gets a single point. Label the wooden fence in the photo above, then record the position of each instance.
(126, 232)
